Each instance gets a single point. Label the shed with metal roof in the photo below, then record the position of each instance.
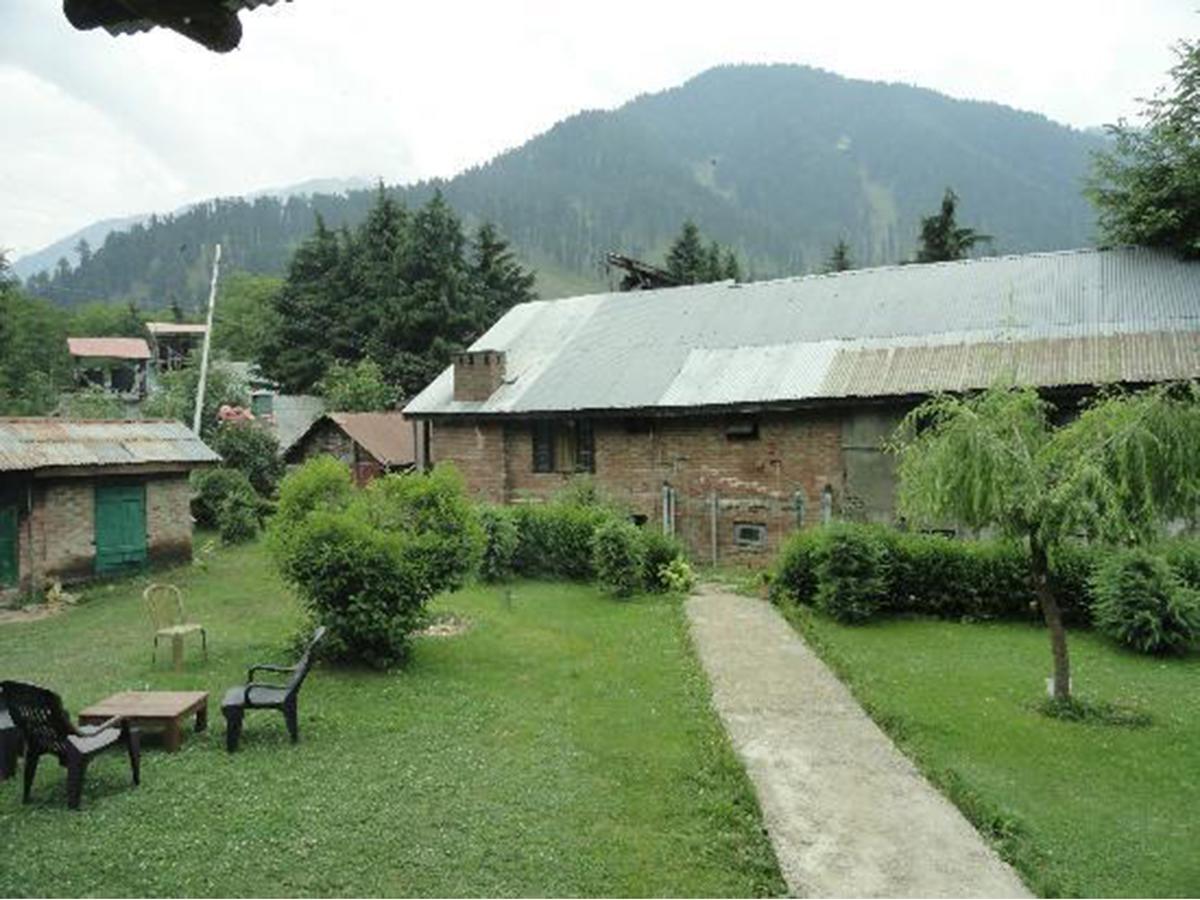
(371, 443)
(86, 498)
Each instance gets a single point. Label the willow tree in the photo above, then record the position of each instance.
(1128, 464)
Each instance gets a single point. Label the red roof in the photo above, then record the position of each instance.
(109, 347)
(387, 436)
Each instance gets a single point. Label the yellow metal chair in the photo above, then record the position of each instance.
(165, 603)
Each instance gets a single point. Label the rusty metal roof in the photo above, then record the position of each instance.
(1046, 319)
(109, 347)
(387, 436)
(27, 445)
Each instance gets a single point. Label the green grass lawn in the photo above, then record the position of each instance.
(564, 745)
(1081, 809)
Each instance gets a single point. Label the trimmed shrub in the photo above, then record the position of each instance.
(500, 542)
(1141, 603)
(555, 539)
(321, 483)
(364, 584)
(1183, 556)
(253, 451)
(434, 508)
(618, 555)
(659, 551)
(795, 577)
(212, 487)
(852, 574)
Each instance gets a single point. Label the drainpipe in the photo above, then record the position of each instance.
(712, 499)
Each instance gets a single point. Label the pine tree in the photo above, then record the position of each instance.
(732, 269)
(498, 280)
(839, 259)
(942, 240)
(687, 261)
(713, 271)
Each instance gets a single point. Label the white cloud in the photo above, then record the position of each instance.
(327, 88)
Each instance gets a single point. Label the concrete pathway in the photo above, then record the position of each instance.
(848, 814)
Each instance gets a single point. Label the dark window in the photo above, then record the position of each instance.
(543, 446)
(751, 535)
(563, 446)
(262, 404)
(743, 430)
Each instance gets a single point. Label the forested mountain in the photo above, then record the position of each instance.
(776, 162)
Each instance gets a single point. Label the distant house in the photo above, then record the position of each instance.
(174, 342)
(117, 364)
(369, 443)
(732, 414)
(79, 499)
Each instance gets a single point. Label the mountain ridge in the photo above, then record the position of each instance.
(778, 161)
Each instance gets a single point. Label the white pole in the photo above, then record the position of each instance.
(212, 302)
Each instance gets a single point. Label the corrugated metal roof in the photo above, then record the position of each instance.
(292, 415)
(1076, 317)
(30, 444)
(109, 347)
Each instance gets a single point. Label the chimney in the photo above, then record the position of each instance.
(477, 374)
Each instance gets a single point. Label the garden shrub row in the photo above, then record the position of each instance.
(857, 571)
(1146, 599)
(580, 540)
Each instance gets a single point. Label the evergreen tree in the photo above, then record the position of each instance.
(942, 239)
(1147, 187)
(499, 280)
(687, 261)
(713, 270)
(84, 250)
(732, 269)
(839, 259)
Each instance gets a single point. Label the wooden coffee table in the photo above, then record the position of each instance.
(152, 709)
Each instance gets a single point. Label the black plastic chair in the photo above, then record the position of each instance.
(10, 741)
(260, 695)
(46, 728)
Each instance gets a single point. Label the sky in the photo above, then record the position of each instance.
(95, 127)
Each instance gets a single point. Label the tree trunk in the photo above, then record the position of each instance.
(1053, 616)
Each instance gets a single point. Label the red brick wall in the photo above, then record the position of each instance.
(753, 481)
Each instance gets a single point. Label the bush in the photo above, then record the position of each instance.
(364, 584)
(618, 554)
(795, 577)
(500, 540)
(237, 517)
(852, 574)
(321, 483)
(677, 576)
(212, 487)
(659, 551)
(252, 451)
(1142, 603)
(434, 508)
(555, 539)
(366, 563)
(1183, 556)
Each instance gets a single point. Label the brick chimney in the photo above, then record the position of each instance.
(477, 374)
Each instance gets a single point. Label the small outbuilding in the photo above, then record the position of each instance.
(370, 443)
(86, 498)
(117, 364)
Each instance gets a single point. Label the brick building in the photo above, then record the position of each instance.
(732, 414)
(370, 443)
(79, 499)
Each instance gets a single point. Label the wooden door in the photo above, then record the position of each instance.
(120, 527)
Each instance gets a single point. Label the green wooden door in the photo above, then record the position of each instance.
(8, 546)
(120, 527)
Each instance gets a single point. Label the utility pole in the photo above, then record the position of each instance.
(212, 302)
